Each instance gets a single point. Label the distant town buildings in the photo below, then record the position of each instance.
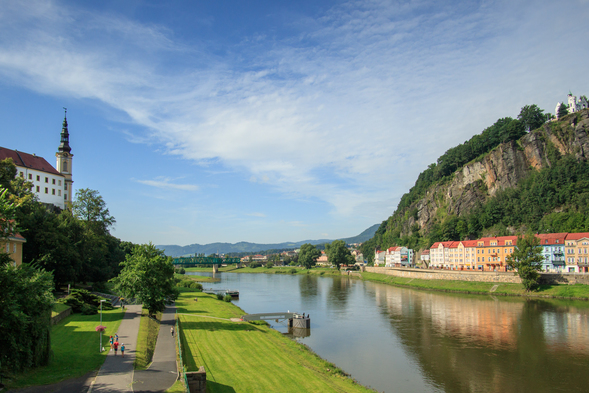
(562, 252)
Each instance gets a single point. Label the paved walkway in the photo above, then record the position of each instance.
(162, 373)
(116, 373)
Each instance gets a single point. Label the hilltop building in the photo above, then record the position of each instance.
(573, 105)
(52, 186)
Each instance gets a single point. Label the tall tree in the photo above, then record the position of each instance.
(532, 117)
(562, 111)
(147, 275)
(527, 259)
(92, 209)
(308, 255)
(338, 254)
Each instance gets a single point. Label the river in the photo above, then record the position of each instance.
(403, 340)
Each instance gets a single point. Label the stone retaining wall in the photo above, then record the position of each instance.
(59, 317)
(197, 380)
(497, 277)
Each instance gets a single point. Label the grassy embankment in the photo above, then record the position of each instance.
(578, 291)
(75, 347)
(245, 357)
(58, 308)
(146, 339)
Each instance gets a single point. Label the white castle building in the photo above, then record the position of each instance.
(50, 185)
(573, 105)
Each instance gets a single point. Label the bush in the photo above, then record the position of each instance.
(100, 286)
(227, 298)
(181, 271)
(219, 296)
(269, 265)
(293, 271)
(254, 265)
(196, 285)
(88, 309)
(184, 283)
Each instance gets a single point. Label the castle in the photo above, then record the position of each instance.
(50, 185)
(573, 105)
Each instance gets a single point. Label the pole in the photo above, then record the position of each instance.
(100, 347)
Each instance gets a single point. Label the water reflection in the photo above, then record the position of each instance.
(402, 340)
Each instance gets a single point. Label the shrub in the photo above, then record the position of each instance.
(227, 298)
(269, 265)
(196, 285)
(88, 309)
(100, 286)
(219, 296)
(181, 271)
(254, 265)
(293, 271)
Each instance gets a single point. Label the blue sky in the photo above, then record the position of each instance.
(272, 121)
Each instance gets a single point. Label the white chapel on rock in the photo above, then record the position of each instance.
(51, 185)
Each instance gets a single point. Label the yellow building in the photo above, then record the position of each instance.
(576, 252)
(13, 246)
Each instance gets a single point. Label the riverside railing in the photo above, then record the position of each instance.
(183, 371)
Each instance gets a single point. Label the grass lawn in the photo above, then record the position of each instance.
(58, 308)
(479, 287)
(75, 347)
(146, 339)
(244, 357)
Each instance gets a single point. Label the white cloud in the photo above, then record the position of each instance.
(165, 183)
(348, 111)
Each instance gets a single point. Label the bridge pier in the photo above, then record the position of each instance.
(215, 268)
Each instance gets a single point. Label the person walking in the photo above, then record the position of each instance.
(112, 340)
(122, 350)
(172, 331)
(116, 346)
(116, 337)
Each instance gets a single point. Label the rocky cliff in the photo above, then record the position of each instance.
(501, 168)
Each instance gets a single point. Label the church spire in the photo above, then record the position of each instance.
(64, 146)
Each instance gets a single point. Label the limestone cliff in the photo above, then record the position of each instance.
(501, 168)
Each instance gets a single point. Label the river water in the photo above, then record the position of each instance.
(403, 340)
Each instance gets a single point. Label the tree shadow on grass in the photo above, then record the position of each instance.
(214, 387)
(213, 326)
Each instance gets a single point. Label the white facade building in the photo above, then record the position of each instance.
(573, 105)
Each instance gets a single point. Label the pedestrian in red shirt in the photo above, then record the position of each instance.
(116, 346)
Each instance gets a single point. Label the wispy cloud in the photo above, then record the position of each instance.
(165, 183)
(348, 111)
(261, 215)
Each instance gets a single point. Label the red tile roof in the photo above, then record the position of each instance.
(577, 236)
(28, 161)
(551, 238)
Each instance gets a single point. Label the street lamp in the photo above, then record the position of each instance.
(100, 348)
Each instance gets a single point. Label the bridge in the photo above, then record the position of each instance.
(204, 261)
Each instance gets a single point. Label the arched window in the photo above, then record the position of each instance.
(65, 169)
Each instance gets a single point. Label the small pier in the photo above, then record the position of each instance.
(234, 293)
(296, 320)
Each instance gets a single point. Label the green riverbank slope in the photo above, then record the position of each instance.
(245, 357)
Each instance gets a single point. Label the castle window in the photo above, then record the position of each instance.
(53, 191)
(22, 174)
(46, 190)
(30, 176)
(53, 181)
(38, 189)
(66, 186)
(65, 196)
(46, 180)
(59, 182)
(65, 166)
(38, 178)
(58, 192)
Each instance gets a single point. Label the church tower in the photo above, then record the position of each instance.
(64, 160)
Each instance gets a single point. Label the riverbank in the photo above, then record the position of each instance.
(557, 291)
(242, 356)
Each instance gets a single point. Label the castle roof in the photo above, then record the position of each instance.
(27, 160)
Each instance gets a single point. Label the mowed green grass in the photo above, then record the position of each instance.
(75, 347)
(479, 287)
(242, 357)
(58, 308)
(146, 339)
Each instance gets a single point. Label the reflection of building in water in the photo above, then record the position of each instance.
(566, 331)
(472, 319)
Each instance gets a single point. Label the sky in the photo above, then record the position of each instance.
(269, 121)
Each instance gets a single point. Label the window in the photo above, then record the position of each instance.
(59, 182)
(66, 186)
(53, 181)
(46, 180)
(66, 197)
(58, 192)
(7, 247)
(30, 176)
(14, 248)
(37, 188)
(38, 178)
(46, 190)
(53, 191)
(65, 166)
(22, 174)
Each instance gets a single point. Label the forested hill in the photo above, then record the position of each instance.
(500, 182)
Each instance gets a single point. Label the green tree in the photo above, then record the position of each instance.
(89, 207)
(308, 255)
(562, 111)
(532, 117)
(527, 259)
(147, 275)
(338, 254)
(25, 311)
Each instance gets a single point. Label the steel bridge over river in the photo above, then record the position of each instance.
(204, 261)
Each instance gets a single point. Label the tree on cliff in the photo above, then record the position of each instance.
(527, 259)
(562, 111)
(532, 117)
(147, 275)
(308, 255)
(338, 254)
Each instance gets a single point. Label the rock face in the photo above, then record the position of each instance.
(502, 168)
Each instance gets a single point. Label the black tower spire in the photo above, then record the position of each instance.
(64, 146)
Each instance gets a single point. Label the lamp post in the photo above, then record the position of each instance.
(100, 348)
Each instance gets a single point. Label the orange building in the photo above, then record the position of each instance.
(576, 252)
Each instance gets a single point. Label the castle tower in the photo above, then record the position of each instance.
(64, 160)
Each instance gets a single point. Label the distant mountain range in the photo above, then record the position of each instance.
(224, 248)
